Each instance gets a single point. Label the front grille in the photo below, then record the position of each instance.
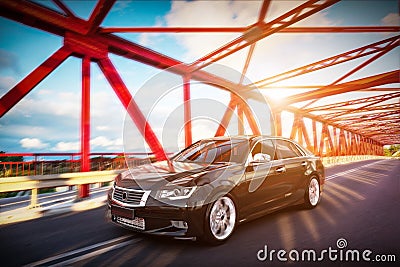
(137, 223)
(130, 197)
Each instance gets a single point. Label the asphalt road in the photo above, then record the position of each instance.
(360, 206)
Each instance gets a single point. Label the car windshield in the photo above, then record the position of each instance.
(215, 151)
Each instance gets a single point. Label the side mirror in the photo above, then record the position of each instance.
(261, 158)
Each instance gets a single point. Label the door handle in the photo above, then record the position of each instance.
(304, 164)
(281, 169)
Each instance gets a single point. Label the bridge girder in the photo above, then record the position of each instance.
(88, 40)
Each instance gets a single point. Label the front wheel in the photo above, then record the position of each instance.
(220, 220)
(312, 195)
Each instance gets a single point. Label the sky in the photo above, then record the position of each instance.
(48, 118)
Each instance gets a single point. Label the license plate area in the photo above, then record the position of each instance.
(122, 212)
(137, 223)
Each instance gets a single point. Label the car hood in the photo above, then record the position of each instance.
(163, 173)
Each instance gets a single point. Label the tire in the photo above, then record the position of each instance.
(220, 221)
(312, 194)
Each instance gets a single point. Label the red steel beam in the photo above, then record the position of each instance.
(332, 106)
(259, 31)
(315, 137)
(369, 117)
(379, 130)
(348, 29)
(132, 108)
(381, 135)
(12, 97)
(261, 17)
(73, 154)
(247, 63)
(367, 130)
(187, 116)
(387, 122)
(41, 17)
(226, 117)
(361, 66)
(331, 61)
(295, 127)
(317, 118)
(64, 8)
(376, 80)
(368, 107)
(99, 13)
(173, 29)
(278, 123)
(307, 87)
(364, 109)
(305, 133)
(250, 119)
(83, 190)
(240, 113)
(263, 10)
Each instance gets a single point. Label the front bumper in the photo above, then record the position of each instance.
(158, 218)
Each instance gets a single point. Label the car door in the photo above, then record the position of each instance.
(294, 164)
(262, 180)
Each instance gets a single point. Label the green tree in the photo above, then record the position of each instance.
(11, 159)
(389, 151)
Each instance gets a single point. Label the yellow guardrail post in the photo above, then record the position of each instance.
(34, 197)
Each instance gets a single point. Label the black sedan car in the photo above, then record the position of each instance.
(208, 188)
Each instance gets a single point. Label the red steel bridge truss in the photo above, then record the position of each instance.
(353, 127)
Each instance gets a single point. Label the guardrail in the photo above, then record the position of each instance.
(26, 164)
(335, 160)
(55, 180)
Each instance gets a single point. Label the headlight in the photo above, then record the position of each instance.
(176, 193)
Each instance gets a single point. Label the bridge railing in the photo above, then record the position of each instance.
(335, 160)
(39, 163)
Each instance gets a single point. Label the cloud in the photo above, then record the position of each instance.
(9, 60)
(392, 19)
(67, 146)
(32, 143)
(6, 82)
(103, 128)
(229, 14)
(202, 14)
(147, 39)
(53, 103)
(121, 6)
(100, 142)
(104, 142)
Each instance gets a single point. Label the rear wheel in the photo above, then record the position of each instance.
(313, 193)
(220, 220)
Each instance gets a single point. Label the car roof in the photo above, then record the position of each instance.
(247, 137)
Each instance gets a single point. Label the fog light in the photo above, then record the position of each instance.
(179, 224)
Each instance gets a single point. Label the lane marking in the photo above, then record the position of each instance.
(336, 175)
(94, 253)
(77, 251)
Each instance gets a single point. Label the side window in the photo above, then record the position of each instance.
(287, 149)
(302, 151)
